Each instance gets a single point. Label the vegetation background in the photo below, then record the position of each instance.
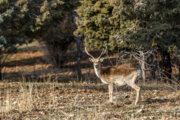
(45, 74)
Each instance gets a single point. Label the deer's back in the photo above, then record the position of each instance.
(117, 71)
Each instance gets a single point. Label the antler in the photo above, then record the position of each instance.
(102, 53)
(88, 53)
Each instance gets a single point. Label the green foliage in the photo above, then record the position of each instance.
(127, 23)
(24, 20)
(3, 41)
(150, 23)
(1, 19)
(158, 24)
(94, 22)
(106, 23)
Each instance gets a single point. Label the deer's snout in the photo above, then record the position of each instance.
(96, 65)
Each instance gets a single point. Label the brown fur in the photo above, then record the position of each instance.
(119, 70)
(121, 75)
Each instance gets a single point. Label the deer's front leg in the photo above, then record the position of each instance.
(110, 87)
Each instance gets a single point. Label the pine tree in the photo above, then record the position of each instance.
(21, 21)
(94, 24)
(24, 20)
(159, 27)
(126, 22)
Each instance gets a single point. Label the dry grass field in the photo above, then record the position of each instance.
(83, 101)
(31, 89)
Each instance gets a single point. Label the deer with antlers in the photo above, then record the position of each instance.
(119, 75)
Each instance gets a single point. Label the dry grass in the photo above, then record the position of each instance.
(79, 101)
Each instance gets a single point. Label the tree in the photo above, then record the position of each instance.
(107, 23)
(132, 24)
(31, 18)
(94, 24)
(22, 21)
(25, 20)
(158, 26)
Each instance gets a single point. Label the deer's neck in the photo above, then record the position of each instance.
(99, 74)
(98, 71)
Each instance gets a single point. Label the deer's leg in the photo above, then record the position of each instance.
(138, 92)
(137, 88)
(110, 87)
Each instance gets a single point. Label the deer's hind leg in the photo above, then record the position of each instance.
(138, 92)
(137, 88)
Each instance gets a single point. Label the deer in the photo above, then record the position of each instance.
(119, 75)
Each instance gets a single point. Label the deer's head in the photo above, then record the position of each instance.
(96, 61)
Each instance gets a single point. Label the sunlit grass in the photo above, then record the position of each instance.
(87, 101)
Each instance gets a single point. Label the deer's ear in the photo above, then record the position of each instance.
(91, 60)
(101, 59)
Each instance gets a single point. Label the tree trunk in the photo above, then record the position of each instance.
(152, 61)
(79, 59)
(178, 64)
(0, 73)
(0, 65)
(78, 42)
(165, 65)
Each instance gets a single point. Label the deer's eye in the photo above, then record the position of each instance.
(91, 60)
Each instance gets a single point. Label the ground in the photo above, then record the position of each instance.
(56, 95)
(80, 101)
